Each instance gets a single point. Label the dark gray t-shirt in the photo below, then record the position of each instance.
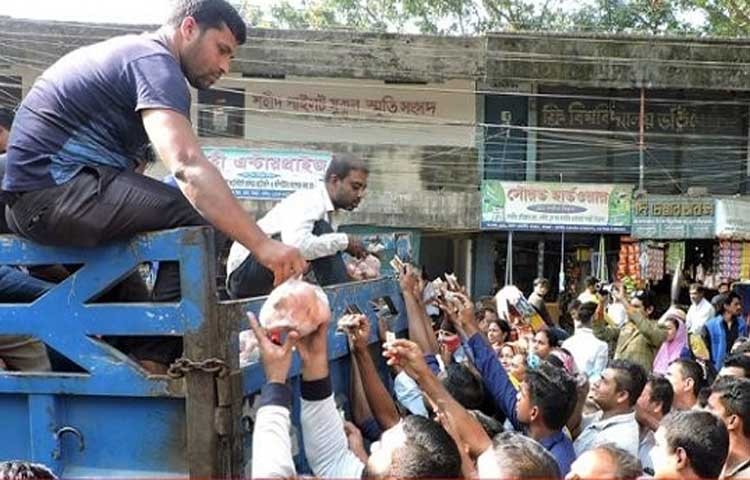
(85, 110)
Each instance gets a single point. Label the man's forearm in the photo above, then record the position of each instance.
(380, 401)
(417, 325)
(468, 428)
(206, 190)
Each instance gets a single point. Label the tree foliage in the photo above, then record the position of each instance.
(471, 17)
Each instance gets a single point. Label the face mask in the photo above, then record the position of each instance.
(451, 342)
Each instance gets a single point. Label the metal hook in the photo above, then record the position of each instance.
(58, 435)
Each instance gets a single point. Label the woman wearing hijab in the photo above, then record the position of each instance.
(674, 321)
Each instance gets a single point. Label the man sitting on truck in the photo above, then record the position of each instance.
(79, 132)
(303, 220)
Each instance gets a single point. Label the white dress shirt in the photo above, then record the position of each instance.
(645, 450)
(589, 353)
(697, 316)
(294, 218)
(620, 430)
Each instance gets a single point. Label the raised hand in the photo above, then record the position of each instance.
(276, 359)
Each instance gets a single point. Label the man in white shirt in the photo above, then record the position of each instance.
(700, 310)
(590, 353)
(303, 220)
(616, 393)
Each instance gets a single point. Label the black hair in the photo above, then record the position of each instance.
(647, 299)
(504, 326)
(629, 377)
(464, 385)
(662, 392)
(692, 369)
(698, 287)
(490, 425)
(541, 281)
(343, 163)
(734, 395)
(574, 304)
(521, 457)
(703, 437)
(591, 281)
(6, 117)
(553, 337)
(739, 360)
(553, 391)
(209, 14)
(428, 452)
(586, 313)
(726, 299)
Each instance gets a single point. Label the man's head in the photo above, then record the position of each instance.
(547, 395)
(346, 181)
(573, 308)
(416, 447)
(723, 288)
(644, 300)
(6, 120)
(586, 314)
(520, 457)
(606, 462)
(590, 283)
(655, 401)
(687, 379)
(463, 385)
(697, 293)
(730, 401)
(485, 316)
(690, 444)
(736, 365)
(208, 33)
(731, 304)
(619, 386)
(541, 286)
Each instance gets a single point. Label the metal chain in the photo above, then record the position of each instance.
(183, 366)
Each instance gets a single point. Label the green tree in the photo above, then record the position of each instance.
(725, 17)
(634, 16)
(472, 17)
(462, 17)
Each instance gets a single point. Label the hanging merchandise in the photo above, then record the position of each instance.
(728, 259)
(745, 265)
(629, 261)
(675, 257)
(654, 261)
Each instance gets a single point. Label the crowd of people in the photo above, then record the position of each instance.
(476, 393)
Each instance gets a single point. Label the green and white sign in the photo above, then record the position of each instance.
(556, 207)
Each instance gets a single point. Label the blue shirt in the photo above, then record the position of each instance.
(496, 381)
(85, 110)
(561, 447)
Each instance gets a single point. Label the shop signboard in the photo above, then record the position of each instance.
(556, 207)
(268, 174)
(733, 219)
(664, 217)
